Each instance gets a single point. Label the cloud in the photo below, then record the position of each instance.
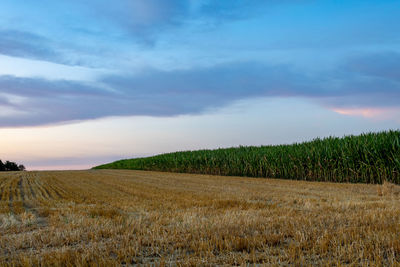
(74, 32)
(39, 101)
(392, 113)
(139, 19)
(42, 88)
(29, 45)
(140, 16)
(367, 81)
(384, 65)
(26, 45)
(154, 93)
(99, 34)
(168, 93)
(364, 112)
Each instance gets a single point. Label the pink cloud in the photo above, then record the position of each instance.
(368, 112)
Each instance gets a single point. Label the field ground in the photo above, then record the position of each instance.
(121, 217)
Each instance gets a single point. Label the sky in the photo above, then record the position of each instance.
(88, 82)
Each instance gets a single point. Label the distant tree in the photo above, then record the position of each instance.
(11, 166)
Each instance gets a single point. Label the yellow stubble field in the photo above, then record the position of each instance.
(128, 218)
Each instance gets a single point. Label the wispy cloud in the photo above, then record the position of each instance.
(372, 113)
(64, 31)
(26, 45)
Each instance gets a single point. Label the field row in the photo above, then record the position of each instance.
(118, 217)
(20, 192)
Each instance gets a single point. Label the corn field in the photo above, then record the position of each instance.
(367, 158)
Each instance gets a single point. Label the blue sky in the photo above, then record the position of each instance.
(126, 70)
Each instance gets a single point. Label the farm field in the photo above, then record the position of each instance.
(125, 217)
(366, 158)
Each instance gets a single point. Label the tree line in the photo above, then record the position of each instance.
(10, 166)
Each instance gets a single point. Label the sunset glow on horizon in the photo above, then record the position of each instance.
(377, 113)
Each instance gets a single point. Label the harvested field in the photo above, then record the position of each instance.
(122, 217)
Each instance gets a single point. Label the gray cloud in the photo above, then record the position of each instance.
(384, 65)
(42, 88)
(161, 93)
(27, 45)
